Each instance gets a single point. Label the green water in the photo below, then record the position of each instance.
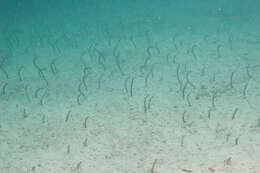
(129, 86)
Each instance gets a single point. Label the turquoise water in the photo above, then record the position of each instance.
(129, 86)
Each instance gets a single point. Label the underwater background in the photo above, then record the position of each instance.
(130, 86)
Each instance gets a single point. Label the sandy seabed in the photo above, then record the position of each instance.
(177, 101)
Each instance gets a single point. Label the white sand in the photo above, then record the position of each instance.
(118, 136)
